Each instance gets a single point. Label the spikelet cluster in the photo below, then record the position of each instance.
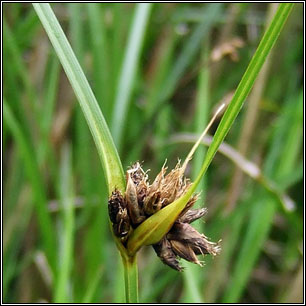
(142, 199)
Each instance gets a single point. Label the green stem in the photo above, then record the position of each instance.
(131, 278)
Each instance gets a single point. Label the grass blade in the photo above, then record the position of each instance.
(247, 82)
(98, 127)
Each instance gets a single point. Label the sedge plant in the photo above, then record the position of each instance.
(152, 229)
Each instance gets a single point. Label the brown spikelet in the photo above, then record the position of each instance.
(165, 252)
(192, 214)
(117, 209)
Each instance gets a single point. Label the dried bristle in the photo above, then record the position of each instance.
(153, 200)
(166, 188)
(137, 174)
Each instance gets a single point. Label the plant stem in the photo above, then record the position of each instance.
(131, 278)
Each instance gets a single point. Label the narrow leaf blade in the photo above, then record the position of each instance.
(98, 127)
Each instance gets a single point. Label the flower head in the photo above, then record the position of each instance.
(142, 200)
(159, 214)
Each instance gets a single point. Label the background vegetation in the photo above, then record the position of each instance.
(158, 74)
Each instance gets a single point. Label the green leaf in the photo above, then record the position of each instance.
(247, 82)
(96, 122)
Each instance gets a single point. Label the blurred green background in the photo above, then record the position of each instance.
(158, 72)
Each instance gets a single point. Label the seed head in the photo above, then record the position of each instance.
(159, 214)
(142, 199)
